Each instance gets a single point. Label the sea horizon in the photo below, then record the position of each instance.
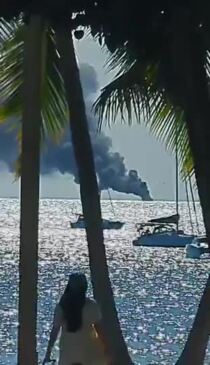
(106, 199)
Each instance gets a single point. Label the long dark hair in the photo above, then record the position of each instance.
(73, 301)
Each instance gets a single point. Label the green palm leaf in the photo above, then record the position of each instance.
(135, 94)
(54, 106)
(7, 29)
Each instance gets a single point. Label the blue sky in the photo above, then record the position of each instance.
(140, 150)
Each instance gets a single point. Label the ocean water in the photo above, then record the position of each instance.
(157, 291)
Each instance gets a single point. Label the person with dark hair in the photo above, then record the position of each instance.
(78, 317)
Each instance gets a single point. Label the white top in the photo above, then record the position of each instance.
(83, 346)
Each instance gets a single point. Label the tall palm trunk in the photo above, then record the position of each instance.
(31, 122)
(90, 196)
(195, 348)
(193, 95)
(189, 59)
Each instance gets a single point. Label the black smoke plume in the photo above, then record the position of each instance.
(110, 166)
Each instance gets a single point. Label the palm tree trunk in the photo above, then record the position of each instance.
(197, 111)
(192, 95)
(31, 122)
(195, 348)
(90, 196)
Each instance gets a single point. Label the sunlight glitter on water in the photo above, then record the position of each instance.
(156, 290)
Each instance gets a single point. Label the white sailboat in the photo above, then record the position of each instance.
(161, 235)
(164, 232)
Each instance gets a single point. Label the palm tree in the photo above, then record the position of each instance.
(134, 94)
(53, 105)
(163, 71)
(37, 92)
(28, 265)
(90, 196)
(192, 73)
(167, 87)
(193, 69)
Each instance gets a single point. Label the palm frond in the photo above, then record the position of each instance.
(121, 60)
(136, 95)
(126, 93)
(7, 30)
(54, 106)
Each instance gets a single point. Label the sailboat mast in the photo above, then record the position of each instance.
(177, 180)
(110, 199)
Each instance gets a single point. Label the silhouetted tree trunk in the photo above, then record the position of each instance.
(195, 347)
(31, 122)
(192, 95)
(90, 196)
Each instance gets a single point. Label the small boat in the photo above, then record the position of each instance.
(158, 234)
(197, 248)
(106, 224)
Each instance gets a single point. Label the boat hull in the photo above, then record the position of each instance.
(105, 225)
(166, 239)
(197, 248)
